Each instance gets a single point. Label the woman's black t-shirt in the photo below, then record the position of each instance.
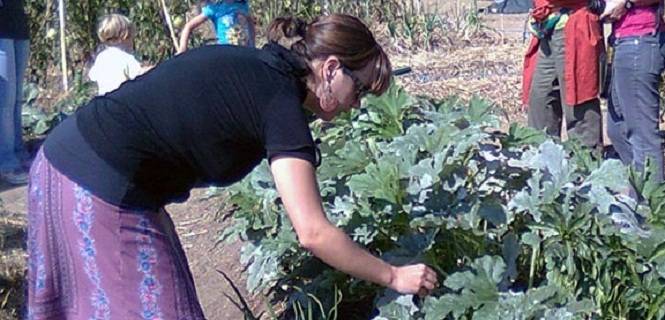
(205, 117)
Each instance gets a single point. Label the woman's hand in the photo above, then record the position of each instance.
(414, 279)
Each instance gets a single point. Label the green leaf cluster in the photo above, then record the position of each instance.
(517, 226)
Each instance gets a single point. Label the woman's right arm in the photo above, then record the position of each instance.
(296, 183)
(187, 29)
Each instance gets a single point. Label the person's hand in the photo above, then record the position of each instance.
(614, 10)
(414, 279)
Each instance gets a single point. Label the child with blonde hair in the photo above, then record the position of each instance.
(115, 64)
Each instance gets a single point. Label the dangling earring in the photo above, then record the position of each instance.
(327, 101)
(329, 87)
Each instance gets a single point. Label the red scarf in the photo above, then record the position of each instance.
(543, 8)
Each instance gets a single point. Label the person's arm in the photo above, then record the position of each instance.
(187, 29)
(296, 183)
(133, 68)
(615, 9)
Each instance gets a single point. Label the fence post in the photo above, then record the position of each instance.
(169, 24)
(63, 44)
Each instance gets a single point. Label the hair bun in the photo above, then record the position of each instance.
(286, 31)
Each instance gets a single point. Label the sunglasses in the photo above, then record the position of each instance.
(361, 89)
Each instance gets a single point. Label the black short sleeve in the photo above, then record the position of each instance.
(308, 154)
(286, 129)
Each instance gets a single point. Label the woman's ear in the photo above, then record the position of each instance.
(327, 100)
(330, 66)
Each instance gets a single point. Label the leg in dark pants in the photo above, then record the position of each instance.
(635, 103)
(547, 106)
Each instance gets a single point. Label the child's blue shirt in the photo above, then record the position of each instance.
(224, 16)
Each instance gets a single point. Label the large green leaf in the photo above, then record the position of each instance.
(610, 178)
(439, 308)
(380, 181)
(519, 136)
(393, 306)
(478, 286)
(385, 113)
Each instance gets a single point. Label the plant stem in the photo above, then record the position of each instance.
(654, 307)
(167, 17)
(532, 267)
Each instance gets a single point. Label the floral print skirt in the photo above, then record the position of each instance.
(89, 259)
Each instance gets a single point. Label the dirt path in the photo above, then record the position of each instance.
(198, 227)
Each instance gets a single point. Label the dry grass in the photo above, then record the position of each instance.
(490, 71)
(486, 63)
(479, 55)
(12, 263)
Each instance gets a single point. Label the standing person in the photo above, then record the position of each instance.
(634, 104)
(14, 54)
(232, 21)
(99, 240)
(561, 70)
(115, 64)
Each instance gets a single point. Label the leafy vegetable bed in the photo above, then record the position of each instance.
(517, 226)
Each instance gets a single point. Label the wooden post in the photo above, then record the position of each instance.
(63, 45)
(167, 16)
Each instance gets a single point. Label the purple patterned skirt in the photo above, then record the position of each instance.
(92, 260)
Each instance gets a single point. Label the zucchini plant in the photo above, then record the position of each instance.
(517, 225)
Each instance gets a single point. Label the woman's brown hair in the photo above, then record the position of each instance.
(343, 36)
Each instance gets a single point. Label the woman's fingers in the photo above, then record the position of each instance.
(429, 277)
(429, 285)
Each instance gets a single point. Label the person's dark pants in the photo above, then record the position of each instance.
(547, 107)
(634, 104)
